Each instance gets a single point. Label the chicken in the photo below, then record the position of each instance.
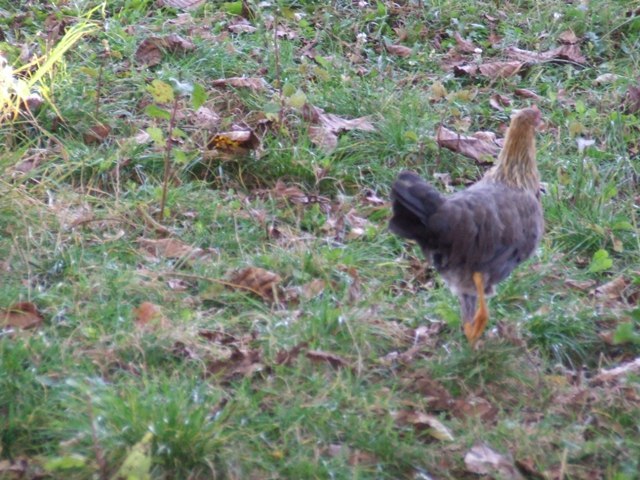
(476, 237)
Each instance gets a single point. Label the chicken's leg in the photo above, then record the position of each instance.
(474, 329)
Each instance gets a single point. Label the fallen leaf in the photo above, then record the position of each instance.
(526, 56)
(253, 83)
(149, 315)
(235, 141)
(325, 139)
(332, 359)
(184, 4)
(606, 78)
(355, 287)
(360, 457)
(475, 407)
(241, 25)
(257, 280)
(96, 134)
(526, 93)
(399, 50)
(481, 459)
(173, 248)
(313, 288)
(241, 363)
(569, 52)
(612, 292)
(527, 467)
(500, 69)
(286, 357)
(149, 51)
(437, 397)
(175, 43)
(438, 91)
(206, 118)
(632, 99)
(21, 315)
(568, 37)
(424, 422)
(480, 150)
(614, 374)
(498, 102)
(465, 46)
(582, 285)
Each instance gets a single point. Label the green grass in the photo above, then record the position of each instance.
(207, 377)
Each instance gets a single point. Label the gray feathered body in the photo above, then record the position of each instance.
(490, 227)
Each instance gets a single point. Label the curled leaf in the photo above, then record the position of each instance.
(480, 150)
(257, 280)
(21, 315)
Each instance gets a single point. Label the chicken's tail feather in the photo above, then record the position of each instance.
(413, 201)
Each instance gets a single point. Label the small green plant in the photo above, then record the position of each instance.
(164, 94)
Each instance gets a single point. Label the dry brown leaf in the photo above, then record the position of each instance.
(481, 151)
(149, 315)
(293, 194)
(235, 141)
(325, 139)
(632, 100)
(206, 118)
(498, 101)
(286, 357)
(15, 469)
(325, 357)
(221, 337)
(96, 134)
(464, 70)
(360, 457)
(465, 46)
(568, 37)
(21, 315)
(149, 52)
(614, 374)
(241, 25)
(327, 126)
(570, 52)
(476, 407)
(338, 124)
(241, 363)
(526, 56)
(256, 84)
(184, 4)
(355, 287)
(313, 288)
(257, 280)
(437, 397)
(500, 69)
(399, 50)
(525, 93)
(527, 467)
(176, 43)
(612, 291)
(424, 422)
(582, 285)
(173, 248)
(481, 459)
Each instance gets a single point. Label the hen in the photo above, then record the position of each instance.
(476, 237)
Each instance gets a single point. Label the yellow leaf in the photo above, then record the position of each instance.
(161, 91)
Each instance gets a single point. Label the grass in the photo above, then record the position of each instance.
(226, 381)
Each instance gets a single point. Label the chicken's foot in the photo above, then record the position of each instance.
(474, 329)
